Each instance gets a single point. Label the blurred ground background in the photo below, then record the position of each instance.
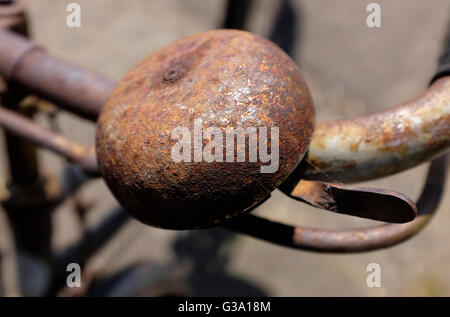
(351, 70)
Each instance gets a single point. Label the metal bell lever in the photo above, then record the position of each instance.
(370, 203)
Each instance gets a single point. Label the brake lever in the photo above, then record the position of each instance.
(370, 203)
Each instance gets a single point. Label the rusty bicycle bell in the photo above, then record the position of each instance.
(227, 79)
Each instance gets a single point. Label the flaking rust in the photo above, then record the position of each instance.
(226, 78)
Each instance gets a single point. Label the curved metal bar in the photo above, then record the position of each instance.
(383, 143)
(359, 240)
(19, 125)
(370, 203)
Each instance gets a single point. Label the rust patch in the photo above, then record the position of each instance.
(354, 147)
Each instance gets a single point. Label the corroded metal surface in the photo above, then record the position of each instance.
(371, 203)
(229, 79)
(384, 143)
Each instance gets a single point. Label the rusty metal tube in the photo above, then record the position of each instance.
(77, 90)
(27, 129)
(382, 143)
